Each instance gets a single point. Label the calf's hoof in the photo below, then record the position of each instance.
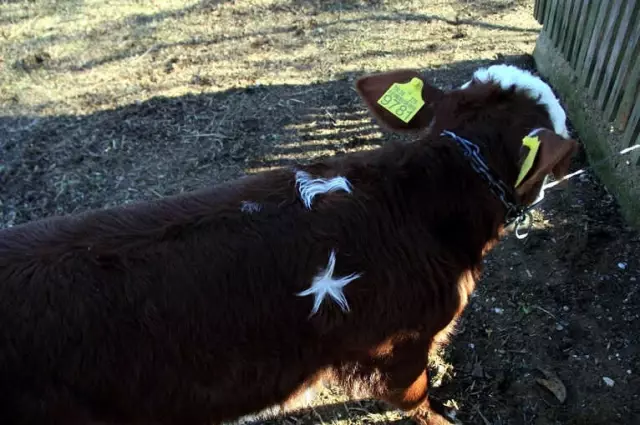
(435, 419)
(437, 414)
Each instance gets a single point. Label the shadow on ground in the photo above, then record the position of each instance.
(364, 411)
(63, 164)
(565, 300)
(139, 27)
(142, 38)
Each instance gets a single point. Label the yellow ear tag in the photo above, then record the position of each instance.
(403, 100)
(533, 143)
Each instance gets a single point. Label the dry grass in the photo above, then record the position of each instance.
(77, 56)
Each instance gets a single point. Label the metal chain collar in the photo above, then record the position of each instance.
(515, 213)
(519, 215)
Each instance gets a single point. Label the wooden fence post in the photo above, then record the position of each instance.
(589, 50)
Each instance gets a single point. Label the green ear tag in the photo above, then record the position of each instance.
(403, 100)
(533, 143)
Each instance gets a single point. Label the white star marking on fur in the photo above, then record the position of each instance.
(309, 187)
(324, 284)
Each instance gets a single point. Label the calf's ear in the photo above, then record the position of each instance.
(553, 156)
(400, 100)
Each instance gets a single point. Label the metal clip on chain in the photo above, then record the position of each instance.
(523, 221)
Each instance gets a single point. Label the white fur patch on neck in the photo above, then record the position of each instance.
(509, 75)
(309, 187)
(324, 285)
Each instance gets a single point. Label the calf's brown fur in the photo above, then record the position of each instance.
(185, 310)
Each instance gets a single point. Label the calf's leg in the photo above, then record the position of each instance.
(399, 377)
(416, 400)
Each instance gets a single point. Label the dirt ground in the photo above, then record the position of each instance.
(104, 103)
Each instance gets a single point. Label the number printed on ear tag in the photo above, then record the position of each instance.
(403, 100)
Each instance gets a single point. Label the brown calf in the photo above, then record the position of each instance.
(208, 306)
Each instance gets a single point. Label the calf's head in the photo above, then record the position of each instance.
(512, 115)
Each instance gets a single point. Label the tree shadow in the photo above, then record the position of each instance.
(18, 11)
(138, 26)
(490, 7)
(141, 49)
(65, 163)
(142, 38)
(336, 5)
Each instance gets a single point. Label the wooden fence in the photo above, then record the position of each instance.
(600, 39)
(589, 50)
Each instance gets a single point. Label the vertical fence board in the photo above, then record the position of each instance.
(600, 18)
(624, 45)
(544, 7)
(629, 96)
(547, 14)
(536, 10)
(605, 46)
(587, 35)
(552, 21)
(631, 133)
(548, 9)
(591, 50)
(557, 23)
(601, 42)
(566, 28)
(579, 39)
(572, 28)
(631, 50)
